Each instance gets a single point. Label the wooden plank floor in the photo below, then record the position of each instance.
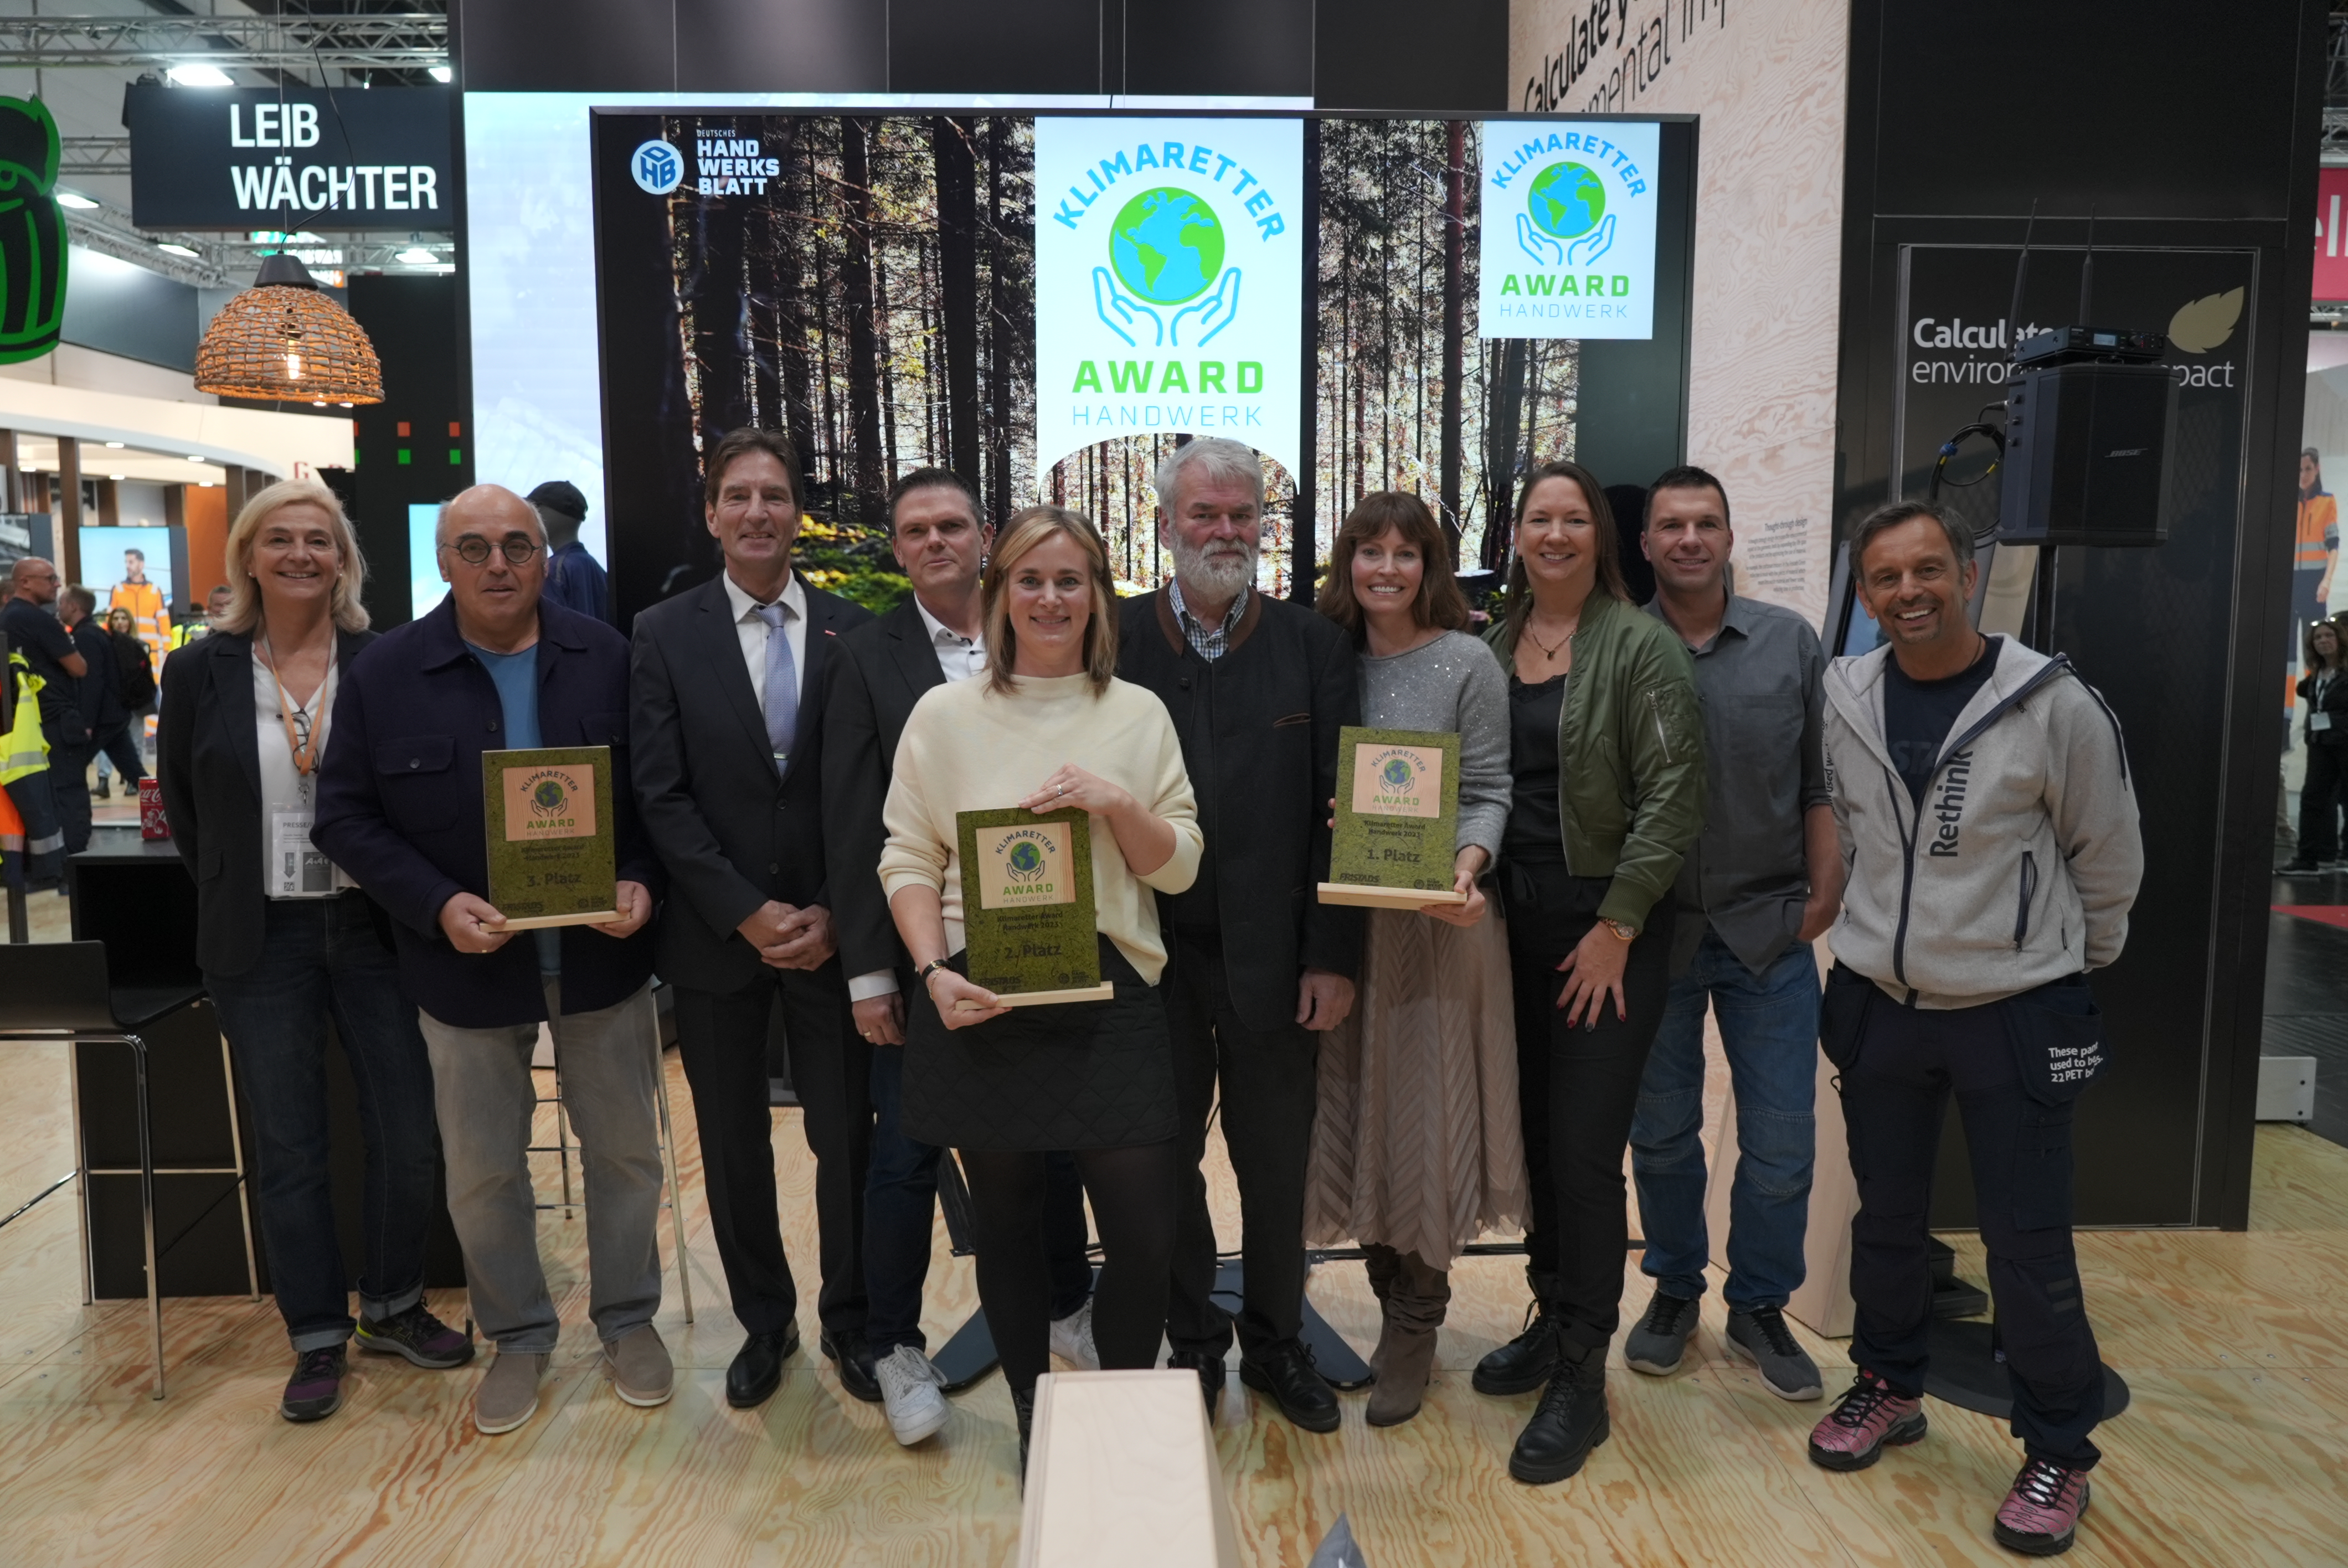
(2236, 1345)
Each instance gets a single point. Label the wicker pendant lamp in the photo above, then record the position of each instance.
(284, 341)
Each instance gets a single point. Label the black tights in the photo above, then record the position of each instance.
(1132, 1192)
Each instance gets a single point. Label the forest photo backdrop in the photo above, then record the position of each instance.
(867, 283)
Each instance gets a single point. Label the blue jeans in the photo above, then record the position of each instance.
(900, 1189)
(1769, 1028)
(321, 958)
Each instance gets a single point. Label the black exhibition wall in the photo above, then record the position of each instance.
(412, 447)
(2196, 160)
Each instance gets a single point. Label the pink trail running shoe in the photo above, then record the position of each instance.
(1853, 1434)
(2042, 1512)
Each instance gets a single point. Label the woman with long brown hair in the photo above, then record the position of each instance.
(1417, 1149)
(1606, 752)
(1048, 726)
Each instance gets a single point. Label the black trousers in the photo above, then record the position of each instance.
(69, 787)
(1895, 1096)
(2319, 800)
(722, 1038)
(1271, 1089)
(1579, 1088)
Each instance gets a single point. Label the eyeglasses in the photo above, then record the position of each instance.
(473, 550)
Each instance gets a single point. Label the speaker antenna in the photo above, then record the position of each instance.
(2021, 270)
(2087, 270)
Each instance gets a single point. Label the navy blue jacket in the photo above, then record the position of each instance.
(399, 806)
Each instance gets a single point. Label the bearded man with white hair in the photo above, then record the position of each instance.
(1258, 689)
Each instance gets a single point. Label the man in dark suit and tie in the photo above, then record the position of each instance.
(726, 720)
(935, 636)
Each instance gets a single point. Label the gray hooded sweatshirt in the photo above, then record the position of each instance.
(2021, 865)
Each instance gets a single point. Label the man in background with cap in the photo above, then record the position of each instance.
(574, 579)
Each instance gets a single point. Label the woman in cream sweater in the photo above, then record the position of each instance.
(1048, 727)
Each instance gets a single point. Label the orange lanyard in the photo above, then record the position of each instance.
(309, 741)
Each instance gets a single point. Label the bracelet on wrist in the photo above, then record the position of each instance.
(1623, 930)
(930, 968)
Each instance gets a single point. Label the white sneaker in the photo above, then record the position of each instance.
(913, 1391)
(1071, 1339)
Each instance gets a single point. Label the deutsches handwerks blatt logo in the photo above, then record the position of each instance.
(657, 165)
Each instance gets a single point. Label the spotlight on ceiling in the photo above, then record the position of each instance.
(441, 74)
(166, 245)
(194, 76)
(76, 201)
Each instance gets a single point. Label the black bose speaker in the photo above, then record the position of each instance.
(2085, 448)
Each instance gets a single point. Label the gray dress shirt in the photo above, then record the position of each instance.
(1760, 682)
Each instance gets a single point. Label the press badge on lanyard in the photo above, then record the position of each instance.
(296, 868)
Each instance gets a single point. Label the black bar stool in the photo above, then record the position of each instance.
(58, 992)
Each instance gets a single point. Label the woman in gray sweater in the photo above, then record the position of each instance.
(1418, 1147)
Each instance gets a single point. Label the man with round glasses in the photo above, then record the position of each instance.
(400, 807)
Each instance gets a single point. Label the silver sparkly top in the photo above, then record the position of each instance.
(1451, 683)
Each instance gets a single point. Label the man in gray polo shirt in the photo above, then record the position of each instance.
(1763, 882)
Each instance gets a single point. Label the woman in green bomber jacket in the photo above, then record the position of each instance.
(1606, 759)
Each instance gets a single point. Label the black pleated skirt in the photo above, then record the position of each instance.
(1077, 1075)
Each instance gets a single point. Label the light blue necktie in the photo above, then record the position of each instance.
(782, 693)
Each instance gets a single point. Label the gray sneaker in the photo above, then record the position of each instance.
(508, 1392)
(912, 1392)
(1658, 1341)
(642, 1373)
(1762, 1338)
(1071, 1339)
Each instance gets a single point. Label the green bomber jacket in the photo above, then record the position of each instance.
(1630, 754)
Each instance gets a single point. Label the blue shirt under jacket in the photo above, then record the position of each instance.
(400, 807)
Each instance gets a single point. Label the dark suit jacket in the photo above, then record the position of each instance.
(400, 808)
(880, 671)
(207, 753)
(1258, 730)
(101, 688)
(733, 833)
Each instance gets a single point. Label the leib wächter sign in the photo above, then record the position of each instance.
(250, 158)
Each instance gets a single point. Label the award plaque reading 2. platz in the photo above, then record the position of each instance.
(1027, 906)
(1397, 819)
(550, 825)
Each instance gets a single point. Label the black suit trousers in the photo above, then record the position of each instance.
(1271, 1090)
(722, 1036)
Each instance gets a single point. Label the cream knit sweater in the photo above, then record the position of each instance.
(967, 748)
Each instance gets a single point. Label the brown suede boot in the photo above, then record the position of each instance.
(1383, 1264)
(1415, 1305)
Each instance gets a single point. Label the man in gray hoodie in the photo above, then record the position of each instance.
(1981, 793)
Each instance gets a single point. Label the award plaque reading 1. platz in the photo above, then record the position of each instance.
(550, 825)
(1397, 819)
(1027, 906)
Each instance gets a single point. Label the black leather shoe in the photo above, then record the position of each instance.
(1210, 1375)
(1524, 1363)
(757, 1367)
(852, 1354)
(1571, 1421)
(1285, 1371)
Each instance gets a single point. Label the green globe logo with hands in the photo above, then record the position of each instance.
(1565, 222)
(1025, 861)
(1165, 249)
(549, 797)
(1166, 245)
(1566, 200)
(1397, 773)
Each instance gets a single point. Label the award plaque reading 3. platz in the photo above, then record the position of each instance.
(549, 824)
(1027, 906)
(1397, 821)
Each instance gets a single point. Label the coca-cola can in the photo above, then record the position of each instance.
(152, 823)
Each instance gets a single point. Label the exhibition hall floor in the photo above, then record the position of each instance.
(2236, 1348)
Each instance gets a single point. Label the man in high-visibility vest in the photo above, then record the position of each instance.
(144, 600)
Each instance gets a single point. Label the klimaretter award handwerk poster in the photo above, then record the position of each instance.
(1569, 229)
(1169, 281)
